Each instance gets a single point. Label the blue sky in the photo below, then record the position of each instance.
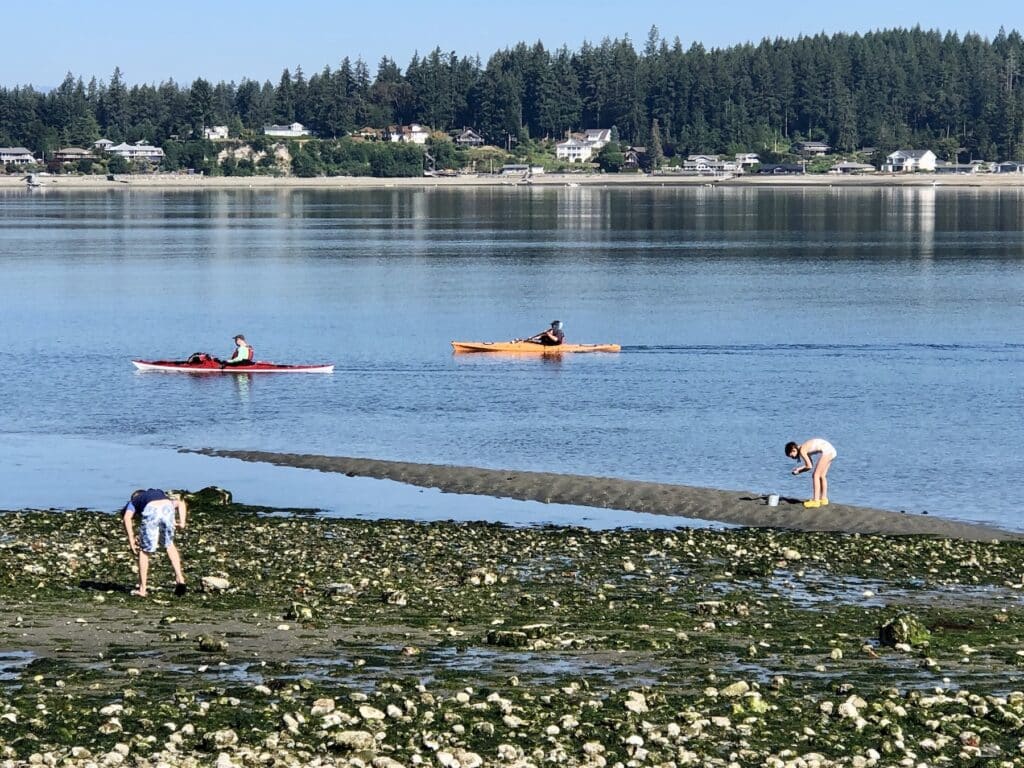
(229, 40)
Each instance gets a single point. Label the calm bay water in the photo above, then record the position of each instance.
(887, 320)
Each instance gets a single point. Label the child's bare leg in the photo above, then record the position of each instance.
(143, 572)
(175, 558)
(821, 479)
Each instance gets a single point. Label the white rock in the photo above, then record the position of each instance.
(214, 584)
(224, 738)
(354, 740)
(370, 713)
(636, 702)
(735, 690)
(322, 707)
(512, 721)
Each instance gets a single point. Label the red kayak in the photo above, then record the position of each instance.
(212, 366)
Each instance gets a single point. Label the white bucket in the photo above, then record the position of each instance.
(773, 500)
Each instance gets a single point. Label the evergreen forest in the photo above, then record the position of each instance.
(959, 95)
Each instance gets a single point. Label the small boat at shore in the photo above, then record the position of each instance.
(530, 348)
(212, 366)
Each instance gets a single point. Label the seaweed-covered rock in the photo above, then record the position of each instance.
(211, 496)
(903, 628)
(507, 638)
(211, 644)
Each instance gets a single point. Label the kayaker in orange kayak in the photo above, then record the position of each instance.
(243, 354)
(552, 337)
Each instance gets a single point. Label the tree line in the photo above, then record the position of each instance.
(962, 96)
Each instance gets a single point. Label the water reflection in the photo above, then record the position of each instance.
(242, 383)
(760, 311)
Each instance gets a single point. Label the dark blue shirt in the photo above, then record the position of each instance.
(138, 503)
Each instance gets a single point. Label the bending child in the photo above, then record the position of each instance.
(819, 480)
(156, 510)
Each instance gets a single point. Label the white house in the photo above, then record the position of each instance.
(215, 132)
(293, 130)
(851, 169)
(138, 151)
(910, 160)
(574, 150)
(103, 145)
(1010, 166)
(414, 133)
(746, 159)
(597, 137)
(15, 156)
(708, 165)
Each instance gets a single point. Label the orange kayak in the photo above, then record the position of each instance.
(529, 348)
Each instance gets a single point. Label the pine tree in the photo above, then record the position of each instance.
(654, 149)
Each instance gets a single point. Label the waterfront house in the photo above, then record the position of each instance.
(941, 166)
(574, 150)
(414, 133)
(515, 169)
(15, 156)
(708, 165)
(812, 148)
(852, 169)
(291, 131)
(909, 160)
(469, 138)
(1010, 166)
(782, 169)
(138, 151)
(632, 157)
(102, 145)
(72, 155)
(597, 137)
(745, 160)
(215, 133)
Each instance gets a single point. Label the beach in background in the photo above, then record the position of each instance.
(197, 181)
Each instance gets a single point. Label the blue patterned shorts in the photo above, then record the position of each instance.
(157, 528)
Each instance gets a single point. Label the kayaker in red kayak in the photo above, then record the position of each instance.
(243, 354)
(552, 337)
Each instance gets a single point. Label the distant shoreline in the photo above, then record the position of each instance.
(197, 182)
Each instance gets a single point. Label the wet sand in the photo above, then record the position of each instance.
(735, 507)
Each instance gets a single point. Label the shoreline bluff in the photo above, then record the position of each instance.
(744, 508)
(198, 182)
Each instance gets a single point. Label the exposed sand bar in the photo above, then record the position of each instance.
(735, 507)
(168, 181)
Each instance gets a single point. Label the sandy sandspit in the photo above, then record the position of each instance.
(736, 507)
(193, 182)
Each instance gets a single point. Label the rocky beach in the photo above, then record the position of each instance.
(313, 641)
